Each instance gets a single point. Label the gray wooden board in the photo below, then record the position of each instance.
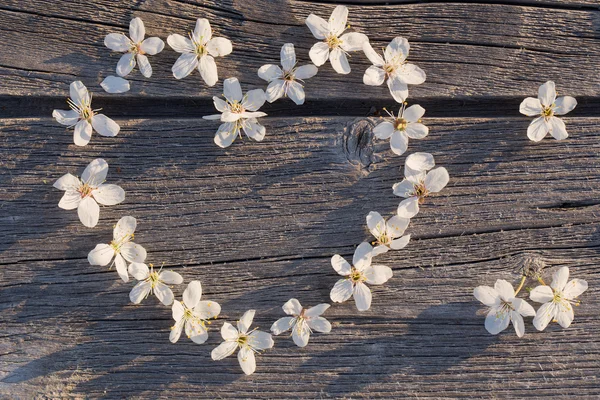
(257, 223)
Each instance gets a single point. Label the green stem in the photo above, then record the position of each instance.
(523, 278)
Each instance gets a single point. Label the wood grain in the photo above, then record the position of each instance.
(468, 50)
(258, 222)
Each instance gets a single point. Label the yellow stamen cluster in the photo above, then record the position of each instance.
(85, 190)
(357, 276)
(421, 192)
(333, 41)
(400, 124)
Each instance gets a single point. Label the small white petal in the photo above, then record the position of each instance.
(397, 50)
(270, 72)
(126, 64)
(109, 195)
(544, 315)
(306, 71)
(89, 212)
(374, 76)
(342, 291)
(560, 278)
(101, 255)
(140, 292)
(399, 142)
(378, 274)
(319, 324)
(275, 90)
(177, 328)
(259, 340)
(82, 133)
(170, 277)
(163, 293)
(144, 65)
(228, 331)
(139, 271)
(67, 182)
(202, 31)
(517, 321)
(410, 74)
(558, 130)
(564, 314)
(538, 129)
(408, 208)
(66, 117)
(362, 297)
(254, 100)
(137, 31)
(413, 113)
(496, 321)
(288, 56)
(372, 55)
(400, 243)
(192, 294)
(282, 325)
(523, 308)
(219, 47)
(79, 93)
(340, 265)
(184, 65)
(541, 294)
(415, 130)
(180, 43)
(318, 26)
(232, 90)
(337, 20)
(339, 62)
(487, 295)
(292, 307)
(178, 311)
(208, 309)
(208, 70)
(504, 289)
(121, 267)
(436, 179)
(564, 104)
(296, 93)
(353, 41)
(225, 135)
(197, 333)
(574, 288)
(396, 226)
(530, 107)
(547, 93)
(301, 334)
(404, 189)
(125, 227)
(152, 46)
(398, 89)
(362, 256)
(117, 42)
(244, 323)
(376, 224)
(420, 162)
(316, 310)
(384, 130)
(223, 350)
(70, 200)
(115, 84)
(247, 360)
(105, 126)
(254, 130)
(319, 53)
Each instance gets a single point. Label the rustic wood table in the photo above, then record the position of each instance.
(257, 223)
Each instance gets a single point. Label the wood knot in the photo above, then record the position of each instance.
(358, 142)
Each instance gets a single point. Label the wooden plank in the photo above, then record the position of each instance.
(467, 50)
(258, 222)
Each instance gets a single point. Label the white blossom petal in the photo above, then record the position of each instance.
(523, 307)
(316, 310)
(152, 46)
(225, 135)
(544, 315)
(410, 74)
(79, 93)
(376, 224)
(275, 90)
(121, 267)
(416, 130)
(137, 31)
(518, 323)
(208, 309)
(232, 90)
(384, 130)
(547, 93)
(66, 117)
(184, 65)
(109, 195)
(409, 207)
(67, 182)
(219, 47)
(115, 84)
(342, 291)
(292, 307)
(399, 142)
(487, 295)
(398, 89)
(413, 113)
(362, 256)
(229, 332)
(340, 265)
(223, 350)
(124, 227)
(144, 65)
(397, 50)
(538, 129)
(140, 292)
(301, 334)
(420, 162)
(105, 126)
(504, 289)
(244, 323)
(282, 325)
(560, 278)
(353, 41)
(170, 277)
(306, 71)
(396, 226)
(139, 271)
(564, 314)
(372, 55)
(196, 332)
(530, 107)
(202, 32)
(254, 100)
(126, 64)
(564, 104)
(82, 133)
(260, 340)
(191, 295)
(247, 360)
(496, 321)
(558, 130)
(70, 200)
(378, 274)
(319, 324)
(318, 26)
(374, 76)
(400, 243)
(270, 72)
(541, 294)
(254, 130)
(208, 70)
(89, 212)
(574, 288)
(163, 293)
(362, 297)
(177, 328)
(288, 56)
(101, 255)
(180, 44)
(337, 20)
(436, 179)
(319, 53)
(117, 42)
(296, 93)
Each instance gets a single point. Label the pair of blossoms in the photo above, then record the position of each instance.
(193, 314)
(505, 307)
(420, 182)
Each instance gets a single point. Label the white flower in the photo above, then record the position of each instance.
(194, 314)
(558, 299)
(418, 183)
(394, 67)
(152, 282)
(302, 322)
(83, 117)
(248, 342)
(134, 47)
(333, 47)
(84, 194)
(115, 84)
(504, 307)
(356, 276)
(285, 82)
(121, 248)
(199, 51)
(547, 106)
(406, 125)
(387, 233)
(238, 112)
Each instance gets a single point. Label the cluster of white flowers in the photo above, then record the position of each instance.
(239, 112)
(506, 307)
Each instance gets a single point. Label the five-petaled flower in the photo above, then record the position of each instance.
(134, 47)
(393, 67)
(152, 282)
(418, 183)
(199, 51)
(504, 307)
(558, 299)
(239, 113)
(357, 275)
(302, 321)
(121, 248)
(406, 125)
(83, 117)
(546, 107)
(248, 342)
(333, 47)
(193, 314)
(84, 194)
(388, 235)
(284, 82)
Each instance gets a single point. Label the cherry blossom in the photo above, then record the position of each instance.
(302, 321)
(135, 48)
(121, 248)
(393, 67)
(286, 81)
(83, 117)
(356, 276)
(193, 314)
(239, 113)
(152, 282)
(504, 307)
(198, 52)
(546, 107)
(333, 46)
(406, 125)
(248, 342)
(84, 194)
(418, 183)
(558, 299)
(388, 234)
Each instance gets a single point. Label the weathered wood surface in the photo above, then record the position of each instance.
(258, 222)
